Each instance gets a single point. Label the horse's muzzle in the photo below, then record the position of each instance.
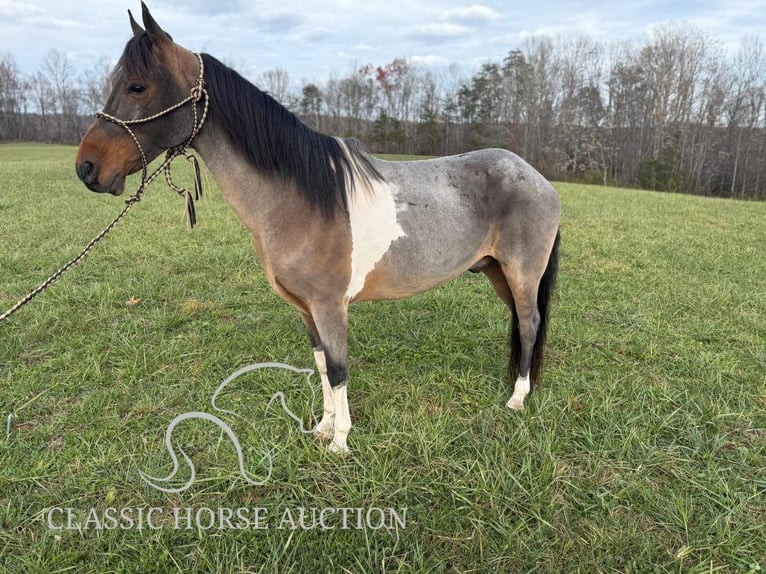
(89, 175)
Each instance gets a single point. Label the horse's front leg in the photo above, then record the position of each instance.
(325, 427)
(328, 329)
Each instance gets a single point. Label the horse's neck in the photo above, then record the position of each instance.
(252, 195)
(269, 206)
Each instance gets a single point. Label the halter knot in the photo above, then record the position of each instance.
(198, 91)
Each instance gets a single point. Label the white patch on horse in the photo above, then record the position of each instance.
(342, 420)
(520, 392)
(324, 428)
(374, 227)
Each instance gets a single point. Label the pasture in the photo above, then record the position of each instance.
(643, 448)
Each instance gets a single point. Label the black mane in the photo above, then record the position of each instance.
(273, 139)
(279, 143)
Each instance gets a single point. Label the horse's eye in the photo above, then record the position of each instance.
(136, 89)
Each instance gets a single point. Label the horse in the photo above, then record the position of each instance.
(332, 224)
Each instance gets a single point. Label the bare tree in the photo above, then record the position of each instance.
(12, 97)
(451, 81)
(311, 105)
(276, 82)
(95, 86)
(352, 101)
(60, 74)
(745, 108)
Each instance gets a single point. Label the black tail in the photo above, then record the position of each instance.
(544, 291)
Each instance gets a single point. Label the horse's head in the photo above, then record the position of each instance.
(153, 75)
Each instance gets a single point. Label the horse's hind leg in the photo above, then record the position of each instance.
(528, 322)
(531, 283)
(497, 277)
(491, 268)
(520, 295)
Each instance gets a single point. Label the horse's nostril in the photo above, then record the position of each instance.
(86, 172)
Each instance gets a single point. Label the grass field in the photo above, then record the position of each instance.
(643, 449)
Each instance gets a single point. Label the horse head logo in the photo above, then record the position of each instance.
(165, 484)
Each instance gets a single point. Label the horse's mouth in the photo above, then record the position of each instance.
(115, 187)
(118, 184)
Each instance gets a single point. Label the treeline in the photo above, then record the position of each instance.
(53, 104)
(675, 112)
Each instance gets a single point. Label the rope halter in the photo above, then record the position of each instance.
(198, 93)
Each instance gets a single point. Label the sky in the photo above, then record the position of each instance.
(314, 39)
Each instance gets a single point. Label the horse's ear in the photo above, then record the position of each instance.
(137, 30)
(157, 35)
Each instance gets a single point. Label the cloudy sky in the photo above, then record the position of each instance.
(313, 38)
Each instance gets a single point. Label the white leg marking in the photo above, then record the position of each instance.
(342, 420)
(324, 428)
(520, 391)
(374, 227)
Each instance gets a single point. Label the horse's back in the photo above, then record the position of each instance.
(489, 178)
(453, 211)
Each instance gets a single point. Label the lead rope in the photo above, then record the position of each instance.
(198, 93)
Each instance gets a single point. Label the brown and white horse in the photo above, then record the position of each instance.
(333, 225)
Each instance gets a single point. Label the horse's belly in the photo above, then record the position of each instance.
(412, 266)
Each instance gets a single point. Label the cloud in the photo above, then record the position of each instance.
(437, 32)
(429, 61)
(316, 35)
(475, 14)
(281, 22)
(82, 54)
(362, 47)
(19, 10)
(28, 13)
(206, 7)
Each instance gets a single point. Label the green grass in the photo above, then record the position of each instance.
(643, 449)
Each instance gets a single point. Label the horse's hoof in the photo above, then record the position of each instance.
(515, 404)
(334, 447)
